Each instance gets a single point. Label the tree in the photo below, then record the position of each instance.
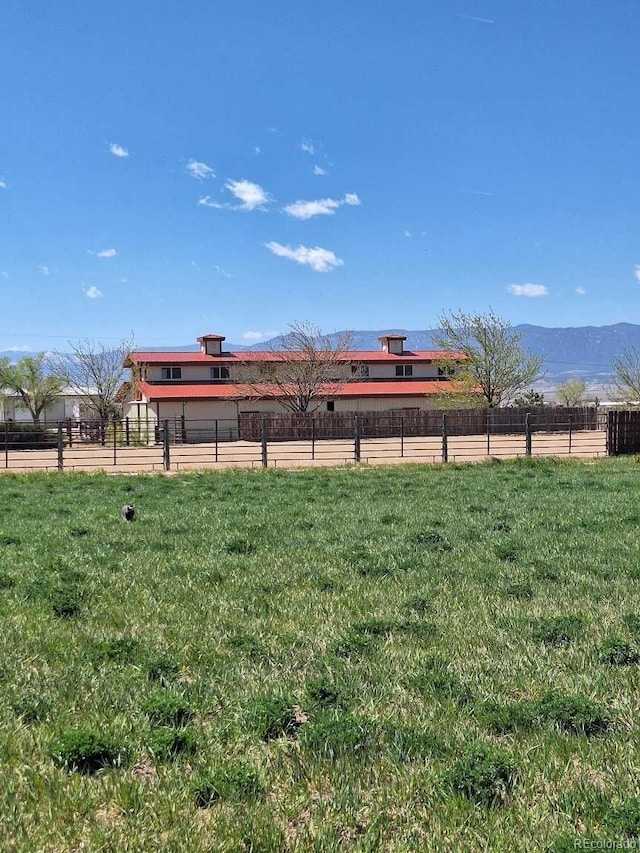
(571, 391)
(308, 367)
(490, 355)
(626, 376)
(37, 388)
(531, 399)
(95, 372)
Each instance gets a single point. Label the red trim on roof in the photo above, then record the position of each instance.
(352, 390)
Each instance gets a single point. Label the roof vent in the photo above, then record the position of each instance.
(211, 344)
(393, 344)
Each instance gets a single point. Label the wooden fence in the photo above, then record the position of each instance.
(623, 431)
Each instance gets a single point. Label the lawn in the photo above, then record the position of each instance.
(406, 659)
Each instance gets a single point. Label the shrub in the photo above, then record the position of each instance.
(484, 774)
(615, 652)
(27, 436)
(273, 717)
(85, 751)
(165, 709)
(559, 630)
(574, 714)
(167, 744)
(234, 782)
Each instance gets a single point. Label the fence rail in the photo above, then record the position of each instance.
(292, 440)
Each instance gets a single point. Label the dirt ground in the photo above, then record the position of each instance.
(293, 454)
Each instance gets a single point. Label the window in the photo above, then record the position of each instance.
(331, 406)
(404, 370)
(221, 372)
(447, 371)
(172, 373)
(360, 370)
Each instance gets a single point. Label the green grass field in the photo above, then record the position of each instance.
(406, 659)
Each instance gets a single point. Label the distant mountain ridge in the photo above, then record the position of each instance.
(581, 351)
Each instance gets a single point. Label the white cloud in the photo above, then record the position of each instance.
(318, 170)
(307, 147)
(580, 291)
(532, 290)
(319, 207)
(320, 260)
(93, 292)
(254, 337)
(407, 233)
(637, 273)
(45, 270)
(200, 170)
(256, 149)
(107, 253)
(118, 150)
(222, 272)
(3, 183)
(251, 197)
(18, 349)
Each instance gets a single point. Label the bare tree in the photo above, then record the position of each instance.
(95, 372)
(570, 392)
(37, 388)
(308, 368)
(625, 381)
(491, 358)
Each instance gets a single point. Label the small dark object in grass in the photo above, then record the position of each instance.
(239, 545)
(168, 744)
(484, 774)
(615, 652)
(165, 709)
(85, 751)
(559, 630)
(273, 717)
(233, 782)
(501, 526)
(128, 512)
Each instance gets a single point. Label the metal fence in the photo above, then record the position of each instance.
(292, 440)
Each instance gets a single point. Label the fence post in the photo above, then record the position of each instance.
(570, 426)
(356, 439)
(445, 440)
(527, 433)
(216, 437)
(488, 432)
(401, 436)
(265, 460)
(60, 447)
(103, 434)
(115, 441)
(313, 438)
(166, 452)
(69, 432)
(126, 430)
(6, 444)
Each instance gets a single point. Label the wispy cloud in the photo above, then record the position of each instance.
(222, 272)
(93, 292)
(4, 274)
(473, 18)
(531, 290)
(3, 183)
(407, 233)
(118, 150)
(475, 192)
(45, 270)
(18, 349)
(249, 195)
(200, 170)
(107, 253)
(580, 291)
(254, 337)
(319, 207)
(256, 149)
(637, 273)
(318, 170)
(320, 260)
(307, 147)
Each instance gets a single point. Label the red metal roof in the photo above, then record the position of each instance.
(366, 356)
(204, 391)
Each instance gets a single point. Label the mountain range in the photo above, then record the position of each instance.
(585, 352)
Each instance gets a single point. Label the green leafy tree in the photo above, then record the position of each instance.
(29, 379)
(570, 392)
(489, 355)
(626, 376)
(531, 399)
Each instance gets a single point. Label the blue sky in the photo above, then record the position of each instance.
(178, 168)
